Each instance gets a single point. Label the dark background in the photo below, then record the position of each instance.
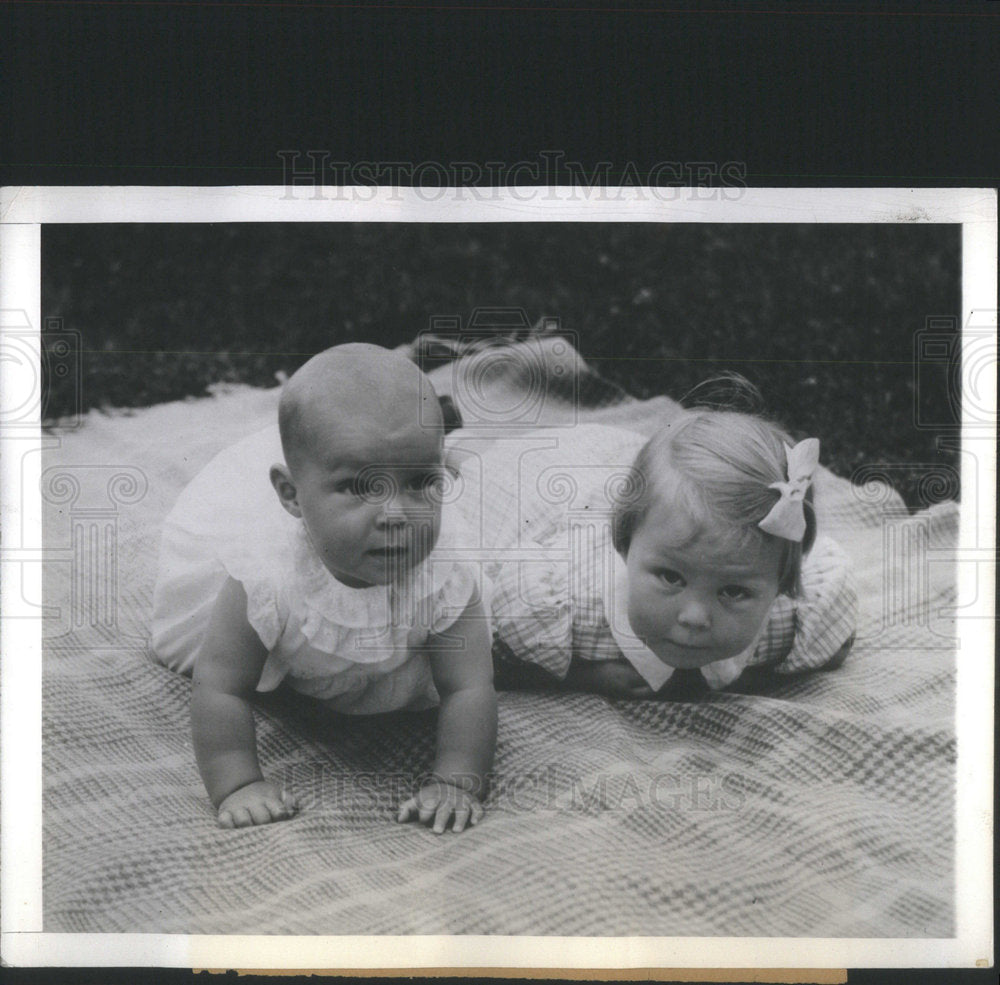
(801, 92)
(824, 319)
(123, 92)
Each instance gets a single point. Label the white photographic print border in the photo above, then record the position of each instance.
(22, 213)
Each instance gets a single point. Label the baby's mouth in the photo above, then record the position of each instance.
(395, 551)
(400, 554)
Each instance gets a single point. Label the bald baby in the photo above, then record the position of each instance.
(349, 387)
(363, 474)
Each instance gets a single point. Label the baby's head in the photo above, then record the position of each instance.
(362, 435)
(703, 574)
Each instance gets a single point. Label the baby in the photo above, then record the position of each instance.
(324, 570)
(706, 562)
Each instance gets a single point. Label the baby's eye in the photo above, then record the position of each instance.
(354, 486)
(671, 578)
(734, 593)
(429, 482)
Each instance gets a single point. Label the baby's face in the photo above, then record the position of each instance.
(369, 495)
(691, 601)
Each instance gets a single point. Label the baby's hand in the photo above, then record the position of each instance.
(257, 803)
(438, 801)
(612, 678)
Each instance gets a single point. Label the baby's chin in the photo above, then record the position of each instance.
(688, 657)
(381, 568)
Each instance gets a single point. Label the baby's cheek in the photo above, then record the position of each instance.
(641, 615)
(751, 623)
(427, 533)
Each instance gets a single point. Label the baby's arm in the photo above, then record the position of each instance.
(226, 672)
(467, 725)
(612, 678)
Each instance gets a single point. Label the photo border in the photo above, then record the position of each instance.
(22, 213)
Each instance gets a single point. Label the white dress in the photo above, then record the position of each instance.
(351, 647)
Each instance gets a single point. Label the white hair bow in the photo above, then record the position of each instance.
(787, 518)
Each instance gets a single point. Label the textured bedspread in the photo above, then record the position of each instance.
(820, 806)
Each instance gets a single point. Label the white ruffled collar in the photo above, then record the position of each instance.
(372, 606)
(651, 668)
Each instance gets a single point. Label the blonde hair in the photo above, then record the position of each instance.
(715, 467)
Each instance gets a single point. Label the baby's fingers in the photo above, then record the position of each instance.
(444, 812)
(226, 820)
(476, 814)
(277, 809)
(241, 817)
(407, 810)
(290, 801)
(468, 815)
(259, 813)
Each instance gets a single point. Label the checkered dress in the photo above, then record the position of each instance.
(545, 513)
(547, 613)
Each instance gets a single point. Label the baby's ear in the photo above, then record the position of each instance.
(288, 495)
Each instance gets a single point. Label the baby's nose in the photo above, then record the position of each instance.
(402, 508)
(694, 613)
(392, 516)
(393, 510)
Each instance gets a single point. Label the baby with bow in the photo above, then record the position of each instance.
(694, 563)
